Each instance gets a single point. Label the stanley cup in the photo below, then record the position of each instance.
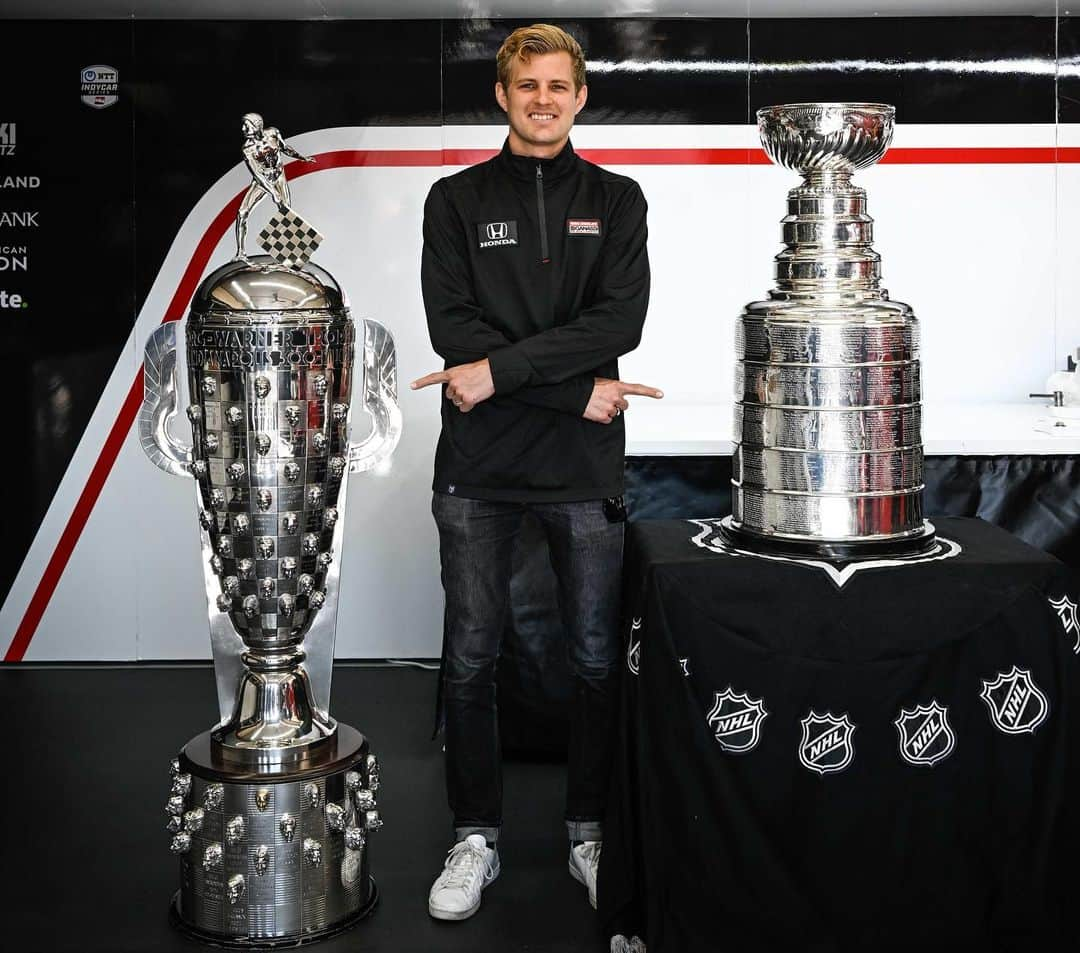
(270, 810)
(828, 457)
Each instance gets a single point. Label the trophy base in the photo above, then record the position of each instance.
(248, 943)
(839, 551)
(264, 858)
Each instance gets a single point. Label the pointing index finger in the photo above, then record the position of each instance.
(641, 390)
(439, 377)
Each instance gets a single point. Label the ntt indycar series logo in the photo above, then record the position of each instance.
(496, 234)
(99, 86)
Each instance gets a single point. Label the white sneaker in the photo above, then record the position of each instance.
(584, 861)
(470, 866)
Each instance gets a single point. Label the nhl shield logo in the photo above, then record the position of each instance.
(1066, 610)
(633, 651)
(925, 734)
(736, 719)
(826, 742)
(1016, 704)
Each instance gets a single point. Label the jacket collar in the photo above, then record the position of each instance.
(524, 167)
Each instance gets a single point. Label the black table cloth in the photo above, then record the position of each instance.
(874, 758)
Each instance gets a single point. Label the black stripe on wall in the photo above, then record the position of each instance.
(933, 69)
(1068, 93)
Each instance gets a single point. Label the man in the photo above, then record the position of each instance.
(263, 149)
(535, 278)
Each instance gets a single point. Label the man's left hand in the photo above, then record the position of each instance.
(466, 385)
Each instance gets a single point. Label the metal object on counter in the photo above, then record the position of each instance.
(1063, 388)
(828, 459)
(271, 358)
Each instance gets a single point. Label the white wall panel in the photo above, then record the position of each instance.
(1067, 252)
(971, 249)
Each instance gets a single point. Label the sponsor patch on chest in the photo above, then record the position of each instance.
(583, 226)
(497, 234)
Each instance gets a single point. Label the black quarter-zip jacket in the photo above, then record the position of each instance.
(539, 265)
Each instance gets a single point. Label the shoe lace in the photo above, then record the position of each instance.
(463, 862)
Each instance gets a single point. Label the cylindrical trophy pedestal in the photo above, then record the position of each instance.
(273, 856)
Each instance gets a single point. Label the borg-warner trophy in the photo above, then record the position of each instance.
(270, 810)
(828, 459)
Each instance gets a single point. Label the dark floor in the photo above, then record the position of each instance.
(84, 855)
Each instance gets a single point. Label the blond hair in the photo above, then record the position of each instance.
(539, 38)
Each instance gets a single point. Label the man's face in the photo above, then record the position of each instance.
(541, 103)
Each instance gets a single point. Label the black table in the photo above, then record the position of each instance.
(883, 759)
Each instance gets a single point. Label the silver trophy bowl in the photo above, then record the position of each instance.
(826, 137)
(271, 808)
(828, 401)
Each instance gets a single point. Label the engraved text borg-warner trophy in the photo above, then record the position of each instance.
(270, 810)
(828, 458)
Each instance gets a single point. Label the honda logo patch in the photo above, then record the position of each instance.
(826, 743)
(583, 226)
(495, 234)
(925, 735)
(736, 720)
(1016, 704)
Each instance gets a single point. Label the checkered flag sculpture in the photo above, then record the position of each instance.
(289, 240)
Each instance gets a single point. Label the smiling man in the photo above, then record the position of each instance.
(536, 279)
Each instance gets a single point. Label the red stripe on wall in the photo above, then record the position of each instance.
(1020, 155)
(974, 155)
(374, 158)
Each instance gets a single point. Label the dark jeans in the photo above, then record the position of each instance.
(476, 545)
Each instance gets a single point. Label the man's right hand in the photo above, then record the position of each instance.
(608, 399)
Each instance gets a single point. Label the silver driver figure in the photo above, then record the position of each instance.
(263, 149)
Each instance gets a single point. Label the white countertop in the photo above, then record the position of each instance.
(668, 428)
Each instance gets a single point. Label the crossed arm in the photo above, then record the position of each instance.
(549, 369)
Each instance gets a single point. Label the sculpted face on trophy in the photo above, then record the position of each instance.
(273, 365)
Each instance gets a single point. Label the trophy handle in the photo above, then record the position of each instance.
(159, 404)
(380, 400)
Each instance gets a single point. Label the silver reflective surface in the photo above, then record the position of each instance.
(839, 137)
(274, 863)
(271, 376)
(159, 404)
(380, 401)
(827, 377)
